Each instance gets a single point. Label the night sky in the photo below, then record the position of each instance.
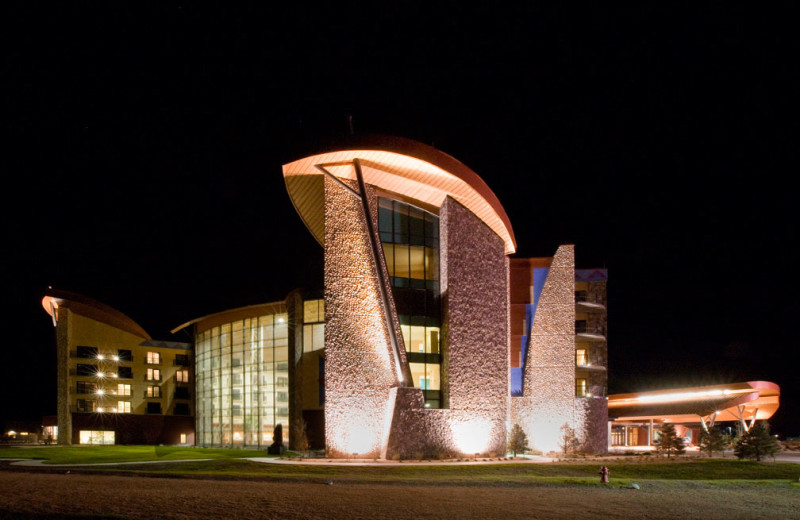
(143, 152)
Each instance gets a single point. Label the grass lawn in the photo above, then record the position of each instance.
(720, 472)
(101, 454)
(228, 464)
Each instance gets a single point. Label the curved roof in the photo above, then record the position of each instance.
(218, 318)
(400, 166)
(85, 306)
(754, 400)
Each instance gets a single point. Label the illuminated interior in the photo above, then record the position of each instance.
(243, 381)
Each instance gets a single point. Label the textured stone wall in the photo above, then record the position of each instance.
(548, 396)
(591, 423)
(359, 362)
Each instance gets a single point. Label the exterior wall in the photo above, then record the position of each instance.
(73, 330)
(359, 358)
(548, 396)
(474, 277)
(591, 423)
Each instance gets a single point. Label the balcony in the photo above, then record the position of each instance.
(585, 302)
(589, 332)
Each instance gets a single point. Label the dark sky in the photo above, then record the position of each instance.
(144, 146)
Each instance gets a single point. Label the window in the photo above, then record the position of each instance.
(123, 407)
(182, 376)
(580, 388)
(153, 391)
(154, 374)
(123, 389)
(313, 311)
(86, 370)
(282, 381)
(153, 358)
(313, 337)
(181, 409)
(181, 360)
(96, 437)
(182, 393)
(183, 438)
(281, 397)
(86, 387)
(87, 405)
(87, 352)
(124, 355)
(580, 357)
(153, 407)
(125, 372)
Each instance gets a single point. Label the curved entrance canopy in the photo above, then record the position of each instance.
(750, 401)
(410, 170)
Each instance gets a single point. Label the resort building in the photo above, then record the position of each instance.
(428, 338)
(116, 385)
(418, 292)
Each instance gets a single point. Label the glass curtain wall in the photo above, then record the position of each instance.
(242, 371)
(410, 239)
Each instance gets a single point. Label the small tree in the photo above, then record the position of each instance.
(670, 442)
(568, 441)
(517, 440)
(713, 440)
(301, 436)
(757, 443)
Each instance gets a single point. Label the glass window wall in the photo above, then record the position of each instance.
(242, 369)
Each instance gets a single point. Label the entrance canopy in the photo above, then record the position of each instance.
(750, 401)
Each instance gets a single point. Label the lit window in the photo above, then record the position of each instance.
(96, 437)
(183, 438)
(580, 387)
(581, 358)
(182, 376)
(153, 391)
(123, 389)
(153, 374)
(123, 407)
(153, 358)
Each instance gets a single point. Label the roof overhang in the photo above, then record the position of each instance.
(227, 316)
(753, 400)
(85, 306)
(411, 170)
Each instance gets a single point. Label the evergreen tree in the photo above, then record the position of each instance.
(713, 440)
(517, 440)
(670, 442)
(757, 443)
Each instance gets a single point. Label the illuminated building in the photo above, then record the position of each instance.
(426, 340)
(637, 419)
(419, 294)
(116, 385)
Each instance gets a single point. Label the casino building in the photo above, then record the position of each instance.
(427, 339)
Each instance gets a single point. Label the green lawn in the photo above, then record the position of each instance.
(100, 454)
(228, 464)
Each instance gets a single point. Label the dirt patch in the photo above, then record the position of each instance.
(50, 495)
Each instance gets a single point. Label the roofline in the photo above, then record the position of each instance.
(423, 152)
(85, 306)
(252, 310)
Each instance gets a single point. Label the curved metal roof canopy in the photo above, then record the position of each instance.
(753, 400)
(407, 168)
